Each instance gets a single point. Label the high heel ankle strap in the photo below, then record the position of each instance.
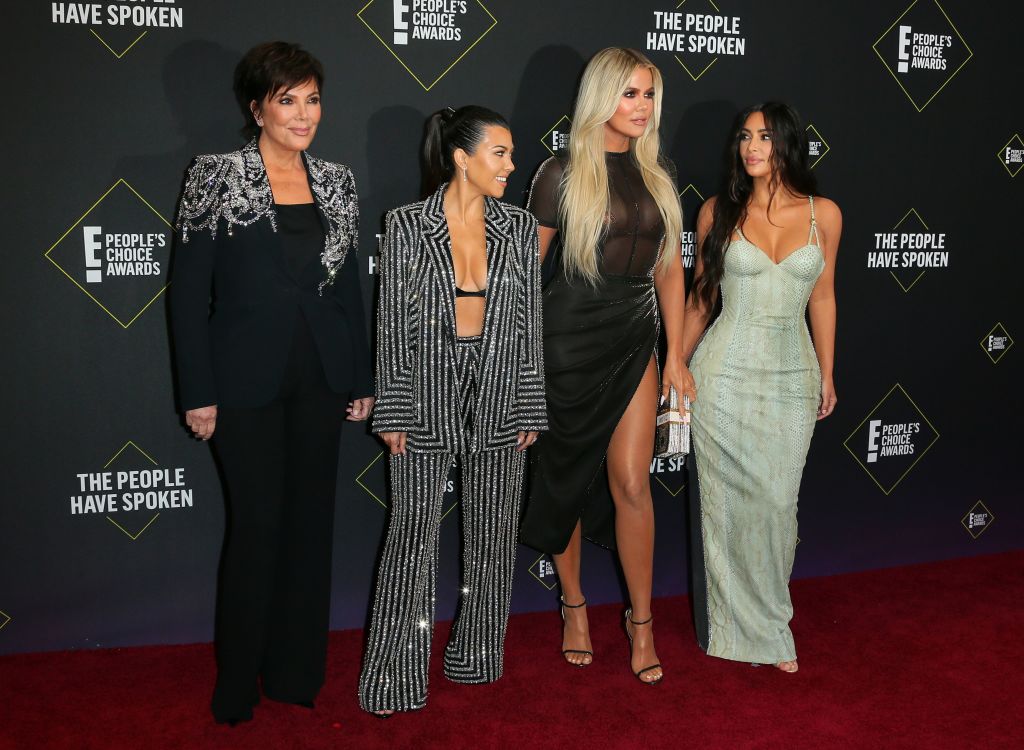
(572, 606)
(629, 616)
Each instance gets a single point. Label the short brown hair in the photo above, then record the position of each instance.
(266, 69)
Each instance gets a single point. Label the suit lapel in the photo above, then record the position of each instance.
(315, 189)
(438, 254)
(496, 223)
(499, 310)
(256, 171)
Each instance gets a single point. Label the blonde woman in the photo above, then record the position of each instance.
(609, 211)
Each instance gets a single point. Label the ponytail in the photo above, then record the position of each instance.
(449, 129)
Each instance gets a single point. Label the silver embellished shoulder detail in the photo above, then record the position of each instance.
(334, 189)
(234, 188)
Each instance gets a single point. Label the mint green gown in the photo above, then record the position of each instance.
(758, 387)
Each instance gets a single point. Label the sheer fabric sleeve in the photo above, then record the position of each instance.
(543, 199)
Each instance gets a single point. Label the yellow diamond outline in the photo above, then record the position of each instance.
(981, 343)
(692, 187)
(125, 50)
(539, 579)
(371, 493)
(999, 154)
(544, 138)
(700, 195)
(897, 226)
(667, 489)
(810, 126)
(7, 619)
(919, 457)
(970, 54)
(456, 61)
(120, 181)
(113, 458)
(991, 515)
(713, 61)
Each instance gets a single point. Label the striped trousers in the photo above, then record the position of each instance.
(395, 664)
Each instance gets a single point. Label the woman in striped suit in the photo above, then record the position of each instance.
(460, 378)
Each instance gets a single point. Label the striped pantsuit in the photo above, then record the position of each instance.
(394, 675)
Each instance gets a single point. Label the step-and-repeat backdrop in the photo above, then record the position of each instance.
(111, 532)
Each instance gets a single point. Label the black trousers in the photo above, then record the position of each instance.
(279, 463)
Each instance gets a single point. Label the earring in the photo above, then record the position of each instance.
(463, 174)
(259, 122)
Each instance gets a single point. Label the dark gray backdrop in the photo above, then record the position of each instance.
(101, 121)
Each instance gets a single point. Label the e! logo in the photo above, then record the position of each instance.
(93, 264)
(903, 65)
(401, 25)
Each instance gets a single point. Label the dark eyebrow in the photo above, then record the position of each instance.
(293, 94)
(502, 145)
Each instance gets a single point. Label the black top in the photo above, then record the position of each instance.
(460, 292)
(302, 235)
(634, 229)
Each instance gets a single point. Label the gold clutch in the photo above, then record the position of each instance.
(672, 427)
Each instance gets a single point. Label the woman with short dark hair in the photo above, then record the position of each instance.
(460, 377)
(270, 370)
(767, 246)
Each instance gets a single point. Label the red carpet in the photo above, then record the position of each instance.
(928, 657)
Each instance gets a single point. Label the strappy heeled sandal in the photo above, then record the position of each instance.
(640, 675)
(561, 610)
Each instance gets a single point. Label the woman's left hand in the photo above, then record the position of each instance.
(828, 398)
(359, 409)
(525, 439)
(677, 375)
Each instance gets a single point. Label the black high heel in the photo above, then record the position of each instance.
(561, 611)
(639, 675)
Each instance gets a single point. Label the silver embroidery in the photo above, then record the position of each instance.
(234, 187)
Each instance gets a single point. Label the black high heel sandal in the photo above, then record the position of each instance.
(561, 611)
(639, 675)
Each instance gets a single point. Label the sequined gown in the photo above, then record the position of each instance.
(598, 342)
(758, 387)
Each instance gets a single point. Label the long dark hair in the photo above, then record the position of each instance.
(448, 130)
(790, 169)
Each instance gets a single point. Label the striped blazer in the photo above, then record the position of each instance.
(417, 382)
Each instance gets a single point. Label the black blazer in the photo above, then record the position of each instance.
(417, 385)
(233, 352)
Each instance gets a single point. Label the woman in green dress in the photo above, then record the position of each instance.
(767, 246)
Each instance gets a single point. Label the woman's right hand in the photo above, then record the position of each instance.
(202, 421)
(395, 442)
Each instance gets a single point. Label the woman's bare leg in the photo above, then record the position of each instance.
(576, 632)
(629, 465)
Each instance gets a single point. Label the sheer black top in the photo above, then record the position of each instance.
(634, 230)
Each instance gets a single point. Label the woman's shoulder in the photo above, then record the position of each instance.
(406, 212)
(669, 166)
(707, 209)
(328, 171)
(235, 159)
(550, 171)
(826, 211)
(515, 213)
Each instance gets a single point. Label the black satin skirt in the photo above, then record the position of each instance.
(597, 344)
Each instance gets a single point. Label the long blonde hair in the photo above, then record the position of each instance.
(585, 196)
